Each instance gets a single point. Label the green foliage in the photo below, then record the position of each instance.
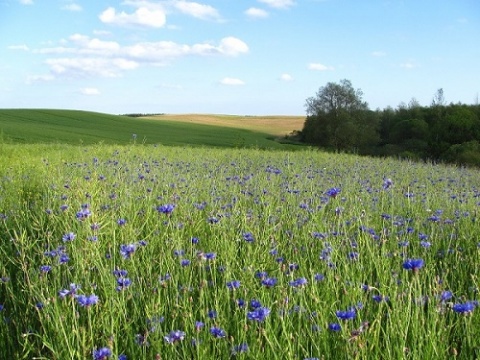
(338, 119)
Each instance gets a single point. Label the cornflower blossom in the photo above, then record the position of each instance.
(298, 282)
(333, 192)
(259, 314)
(217, 332)
(121, 222)
(174, 336)
(69, 292)
(199, 325)
(413, 264)
(102, 353)
(346, 315)
(87, 300)
(45, 268)
(84, 213)
(334, 327)
(248, 237)
(127, 250)
(269, 282)
(255, 304)
(68, 237)
(234, 284)
(464, 308)
(387, 183)
(185, 262)
(123, 283)
(166, 209)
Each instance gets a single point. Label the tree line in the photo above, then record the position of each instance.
(338, 119)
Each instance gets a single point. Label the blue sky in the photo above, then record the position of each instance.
(247, 57)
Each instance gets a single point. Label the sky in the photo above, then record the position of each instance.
(237, 57)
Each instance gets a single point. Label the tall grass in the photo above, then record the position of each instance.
(210, 253)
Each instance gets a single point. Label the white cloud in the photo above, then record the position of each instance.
(320, 67)
(90, 91)
(256, 13)
(231, 81)
(82, 56)
(200, 11)
(379, 53)
(72, 7)
(26, 2)
(408, 65)
(286, 77)
(19, 47)
(232, 46)
(81, 67)
(39, 78)
(279, 4)
(143, 16)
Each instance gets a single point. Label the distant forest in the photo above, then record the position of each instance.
(339, 120)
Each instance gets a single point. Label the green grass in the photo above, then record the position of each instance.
(37, 126)
(360, 237)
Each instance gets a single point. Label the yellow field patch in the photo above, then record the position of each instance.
(277, 125)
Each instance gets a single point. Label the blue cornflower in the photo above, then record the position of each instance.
(248, 237)
(122, 357)
(346, 315)
(69, 292)
(446, 295)
(413, 264)
(120, 273)
(127, 250)
(45, 268)
(68, 237)
(185, 262)
(166, 209)
(87, 300)
(174, 336)
(259, 314)
(121, 222)
(238, 349)
(240, 303)
(464, 308)
(234, 284)
(217, 332)
(83, 214)
(255, 304)
(380, 298)
(123, 283)
(212, 314)
(194, 240)
(333, 192)
(387, 183)
(334, 327)
(199, 325)
(319, 277)
(269, 282)
(102, 353)
(298, 282)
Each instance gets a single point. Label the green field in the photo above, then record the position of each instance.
(82, 128)
(135, 250)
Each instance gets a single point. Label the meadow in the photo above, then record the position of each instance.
(147, 251)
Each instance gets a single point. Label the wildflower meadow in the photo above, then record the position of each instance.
(154, 252)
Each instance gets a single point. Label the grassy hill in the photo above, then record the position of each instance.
(33, 126)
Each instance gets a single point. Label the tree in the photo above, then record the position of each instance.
(338, 118)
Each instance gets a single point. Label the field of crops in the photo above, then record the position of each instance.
(50, 126)
(154, 252)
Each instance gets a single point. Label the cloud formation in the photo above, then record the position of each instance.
(231, 81)
(320, 67)
(200, 11)
(278, 4)
(83, 56)
(143, 16)
(256, 13)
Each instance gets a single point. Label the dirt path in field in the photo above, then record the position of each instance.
(277, 125)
